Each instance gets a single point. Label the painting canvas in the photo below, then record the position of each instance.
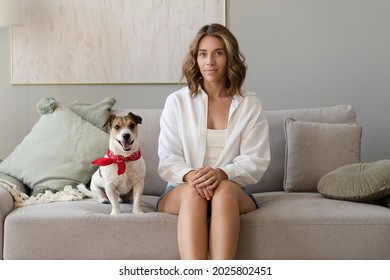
(107, 41)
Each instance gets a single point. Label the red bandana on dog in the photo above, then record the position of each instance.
(111, 158)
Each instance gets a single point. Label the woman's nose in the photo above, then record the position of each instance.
(210, 60)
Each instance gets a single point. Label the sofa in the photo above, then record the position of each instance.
(294, 221)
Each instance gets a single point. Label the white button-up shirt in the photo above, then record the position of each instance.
(182, 140)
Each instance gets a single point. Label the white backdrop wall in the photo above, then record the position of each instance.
(301, 54)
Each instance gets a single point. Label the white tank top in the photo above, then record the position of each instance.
(215, 142)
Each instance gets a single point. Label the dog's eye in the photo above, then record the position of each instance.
(117, 127)
(132, 125)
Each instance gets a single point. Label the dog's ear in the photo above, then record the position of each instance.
(137, 119)
(109, 121)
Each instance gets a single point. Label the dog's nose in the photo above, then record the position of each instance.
(126, 136)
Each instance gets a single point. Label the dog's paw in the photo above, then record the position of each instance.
(113, 212)
(103, 201)
(137, 210)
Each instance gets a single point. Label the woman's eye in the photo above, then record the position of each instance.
(202, 54)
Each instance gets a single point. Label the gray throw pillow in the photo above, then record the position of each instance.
(357, 182)
(314, 149)
(273, 177)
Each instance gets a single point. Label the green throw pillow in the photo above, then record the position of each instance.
(57, 152)
(96, 114)
(357, 182)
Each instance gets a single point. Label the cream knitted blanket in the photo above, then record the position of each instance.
(68, 194)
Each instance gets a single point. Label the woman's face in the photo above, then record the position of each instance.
(212, 59)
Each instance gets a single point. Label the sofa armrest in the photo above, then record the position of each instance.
(6, 206)
(7, 202)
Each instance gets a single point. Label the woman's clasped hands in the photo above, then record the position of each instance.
(205, 179)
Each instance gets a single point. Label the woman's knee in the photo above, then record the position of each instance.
(182, 196)
(226, 192)
(232, 196)
(189, 195)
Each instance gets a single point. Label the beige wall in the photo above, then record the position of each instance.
(301, 53)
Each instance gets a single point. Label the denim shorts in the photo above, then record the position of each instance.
(170, 187)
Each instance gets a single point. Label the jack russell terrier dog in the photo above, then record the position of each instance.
(121, 172)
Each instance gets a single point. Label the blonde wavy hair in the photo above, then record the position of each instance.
(236, 66)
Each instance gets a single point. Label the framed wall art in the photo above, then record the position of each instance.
(107, 41)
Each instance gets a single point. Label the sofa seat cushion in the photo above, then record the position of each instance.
(310, 226)
(286, 226)
(85, 230)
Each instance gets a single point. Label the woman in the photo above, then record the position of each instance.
(213, 142)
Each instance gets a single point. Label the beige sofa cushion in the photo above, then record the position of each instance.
(314, 149)
(273, 178)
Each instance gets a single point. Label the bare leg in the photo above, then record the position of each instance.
(192, 228)
(227, 203)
